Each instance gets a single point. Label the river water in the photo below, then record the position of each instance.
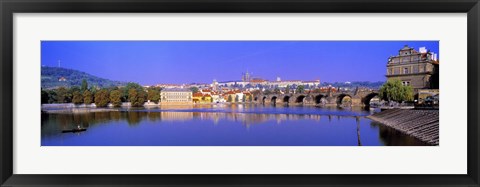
(222, 125)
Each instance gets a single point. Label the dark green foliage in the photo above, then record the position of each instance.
(287, 89)
(87, 97)
(236, 99)
(74, 89)
(153, 95)
(115, 98)
(102, 98)
(50, 79)
(230, 99)
(142, 98)
(63, 95)
(52, 96)
(300, 89)
(77, 97)
(84, 85)
(45, 97)
(126, 90)
(136, 98)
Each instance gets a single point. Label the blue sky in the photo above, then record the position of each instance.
(152, 62)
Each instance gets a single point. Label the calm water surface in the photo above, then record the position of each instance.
(222, 125)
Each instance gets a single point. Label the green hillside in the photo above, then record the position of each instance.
(52, 78)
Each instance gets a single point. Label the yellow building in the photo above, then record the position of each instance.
(207, 98)
(201, 98)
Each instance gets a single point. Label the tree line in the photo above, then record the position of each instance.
(132, 92)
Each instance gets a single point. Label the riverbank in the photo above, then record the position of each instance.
(421, 124)
(77, 110)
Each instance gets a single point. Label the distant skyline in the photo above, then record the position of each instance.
(177, 62)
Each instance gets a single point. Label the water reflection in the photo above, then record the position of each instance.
(67, 121)
(243, 125)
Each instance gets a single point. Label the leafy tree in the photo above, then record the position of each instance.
(126, 90)
(394, 90)
(287, 89)
(133, 96)
(153, 95)
(136, 98)
(63, 96)
(102, 98)
(230, 99)
(84, 85)
(244, 98)
(45, 97)
(74, 89)
(115, 98)
(142, 98)
(52, 96)
(250, 98)
(87, 97)
(194, 89)
(77, 97)
(236, 99)
(300, 89)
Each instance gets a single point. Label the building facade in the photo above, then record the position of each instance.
(418, 69)
(176, 96)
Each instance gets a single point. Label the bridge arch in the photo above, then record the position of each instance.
(366, 100)
(300, 99)
(263, 99)
(341, 97)
(318, 98)
(273, 100)
(286, 99)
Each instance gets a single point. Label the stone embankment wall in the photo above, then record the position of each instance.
(71, 105)
(421, 124)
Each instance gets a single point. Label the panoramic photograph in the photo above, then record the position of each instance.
(240, 93)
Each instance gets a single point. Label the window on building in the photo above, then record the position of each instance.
(405, 70)
(415, 69)
(415, 58)
(396, 71)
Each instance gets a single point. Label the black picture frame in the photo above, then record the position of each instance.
(9, 7)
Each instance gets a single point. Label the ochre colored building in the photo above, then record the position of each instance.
(418, 69)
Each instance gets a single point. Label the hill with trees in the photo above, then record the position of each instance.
(55, 77)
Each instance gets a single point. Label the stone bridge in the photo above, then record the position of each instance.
(357, 98)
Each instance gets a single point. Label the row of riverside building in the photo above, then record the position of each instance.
(419, 69)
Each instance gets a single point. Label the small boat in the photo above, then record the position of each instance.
(74, 130)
